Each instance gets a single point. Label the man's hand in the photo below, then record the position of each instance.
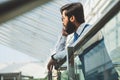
(64, 33)
(51, 64)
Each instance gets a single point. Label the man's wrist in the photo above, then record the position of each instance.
(53, 57)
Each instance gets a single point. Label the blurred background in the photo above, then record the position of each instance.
(29, 30)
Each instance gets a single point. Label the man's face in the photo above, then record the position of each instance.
(68, 25)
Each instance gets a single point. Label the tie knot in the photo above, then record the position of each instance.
(75, 36)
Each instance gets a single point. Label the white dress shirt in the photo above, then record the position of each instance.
(60, 50)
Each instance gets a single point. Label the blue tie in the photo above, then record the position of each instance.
(75, 36)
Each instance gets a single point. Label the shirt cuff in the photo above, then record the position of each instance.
(53, 57)
(59, 56)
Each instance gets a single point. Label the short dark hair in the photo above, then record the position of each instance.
(75, 9)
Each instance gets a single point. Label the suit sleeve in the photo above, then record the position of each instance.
(59, 51)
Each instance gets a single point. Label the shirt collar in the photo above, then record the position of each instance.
(80, 28)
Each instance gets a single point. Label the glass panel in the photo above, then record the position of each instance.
(102, 62)
(111, 33)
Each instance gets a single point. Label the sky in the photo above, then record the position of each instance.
(9, 55)
(15, 61)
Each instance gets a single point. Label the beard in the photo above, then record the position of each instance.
(70, 27)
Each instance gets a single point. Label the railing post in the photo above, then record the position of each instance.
(50, 75)
(2, 78)
(58, 75)
(70, 67)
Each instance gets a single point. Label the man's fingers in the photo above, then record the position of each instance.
(51, 67)
(48, 66)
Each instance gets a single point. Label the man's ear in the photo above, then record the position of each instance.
(72, 18)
